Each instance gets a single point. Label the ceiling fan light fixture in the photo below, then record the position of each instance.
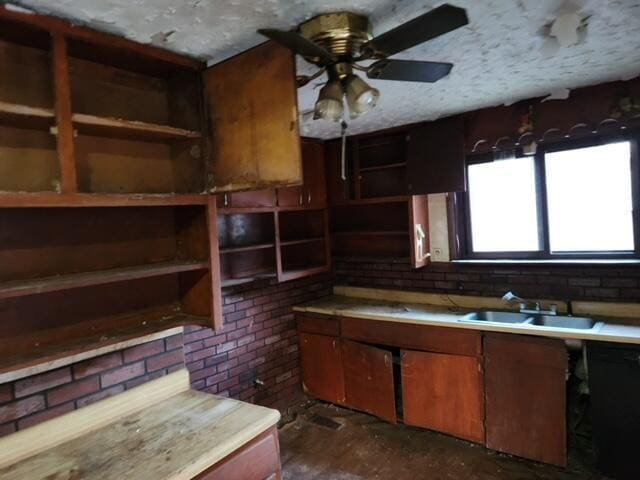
(361, 97)
(329, 104)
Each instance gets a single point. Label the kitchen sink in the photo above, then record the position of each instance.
(496, 317)
(552, 321)
(560, 321)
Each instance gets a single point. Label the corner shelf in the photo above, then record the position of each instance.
(376, 233)
(246, 248)
(38, 286)
(301, 241)
(116, 127)
(234, 282)
(382, 167)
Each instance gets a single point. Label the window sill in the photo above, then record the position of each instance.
(578, 261)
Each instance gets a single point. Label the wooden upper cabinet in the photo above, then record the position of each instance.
(251, 102)
(435, 157)
(313, 192)
(265, 197)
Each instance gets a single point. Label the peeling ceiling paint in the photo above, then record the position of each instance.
(502, 56)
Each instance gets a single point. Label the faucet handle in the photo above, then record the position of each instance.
(553, 308)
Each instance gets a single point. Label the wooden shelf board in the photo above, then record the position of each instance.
(38, 286)
(379, 233)
(293, 274)
(234, 282)
(301, 241)
(24, 116)
(37, 348)
(116, 127)
(383, 167)
(246, 248)
(372, 201)
(52, 199)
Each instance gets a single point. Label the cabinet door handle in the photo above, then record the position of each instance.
(226, 199)
(300, 199)
(309, 197)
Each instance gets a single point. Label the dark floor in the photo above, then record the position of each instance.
(363, 447)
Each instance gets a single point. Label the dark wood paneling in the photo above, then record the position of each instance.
(322, 367)
(526, 397)
(321, 324)
(435, 160)
(368, 380)
(444, 393)
(257, 460)
(421, 337)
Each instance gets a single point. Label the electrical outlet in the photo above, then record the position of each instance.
(437, 254)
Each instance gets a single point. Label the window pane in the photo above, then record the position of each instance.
(589, 199)
(504, 213)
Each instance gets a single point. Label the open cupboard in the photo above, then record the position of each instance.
(108, 150)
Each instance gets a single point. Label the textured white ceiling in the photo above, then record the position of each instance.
(500, 57)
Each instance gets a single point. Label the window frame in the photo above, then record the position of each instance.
(464, 207)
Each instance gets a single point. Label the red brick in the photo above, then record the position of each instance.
(101, 395)
(45, 415)
(122, 374)
(73, 390)
(6, 393)
(21, 408)
(43, 381)
(165, 360)
(145, 350)
(97, 365)
(7, 429)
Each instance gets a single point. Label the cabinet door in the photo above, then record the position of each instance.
(322, 374)
(368, 380)
(290, 196)
(253, 120)
(526, 396)
(315, 188)
(444, 392)
(419, 225)
(435, 157)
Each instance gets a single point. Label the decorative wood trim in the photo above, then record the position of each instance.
(37, 439)
(214, 267)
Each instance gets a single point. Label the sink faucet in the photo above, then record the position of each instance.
(529, 307)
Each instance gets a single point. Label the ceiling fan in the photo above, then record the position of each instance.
(336, 42)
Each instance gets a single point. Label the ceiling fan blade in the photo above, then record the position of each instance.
(296, 42)
(409, 70)
(425, 27)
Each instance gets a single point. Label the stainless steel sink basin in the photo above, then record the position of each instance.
(496, 317)
(560, 321)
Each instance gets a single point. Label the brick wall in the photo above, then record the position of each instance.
(259, 342)
(34, 399)
(560, 282)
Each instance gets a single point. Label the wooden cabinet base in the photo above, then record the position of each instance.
(526, 397)
(444, 393)
(257, 460)
(322, 367)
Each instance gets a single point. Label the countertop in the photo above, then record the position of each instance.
(176, 438)
(610, 329)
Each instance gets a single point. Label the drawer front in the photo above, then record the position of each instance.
(259, 460)
(322, 325)
(417, 337)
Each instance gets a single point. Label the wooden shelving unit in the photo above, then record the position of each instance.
(98, 122)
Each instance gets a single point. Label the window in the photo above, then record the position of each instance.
(576, 202)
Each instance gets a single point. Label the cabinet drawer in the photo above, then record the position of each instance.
(417, 337)
(257, 461)
(322, 325)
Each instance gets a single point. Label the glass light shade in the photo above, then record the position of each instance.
(329, 105)
(361, 97)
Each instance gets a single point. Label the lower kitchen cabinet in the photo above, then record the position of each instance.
(444, 393)
(368, 380)
(526, 396)
(322, 367)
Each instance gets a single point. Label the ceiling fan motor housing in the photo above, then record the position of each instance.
(341, 33)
